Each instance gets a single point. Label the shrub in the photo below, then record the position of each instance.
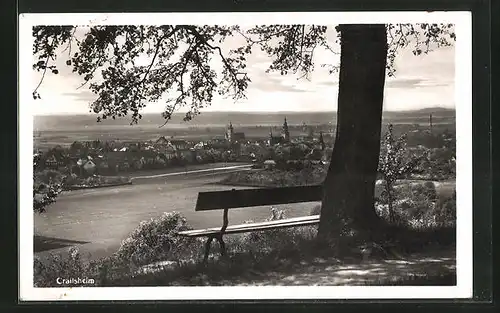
(49, 176)
(446, 210)
(46, 186)
(418, 206)
(45, 274)
(71, 179)
(426, 190)
(309, 174)
(156, 240)
(394, 163)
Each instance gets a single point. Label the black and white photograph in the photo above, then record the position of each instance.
(320, 155)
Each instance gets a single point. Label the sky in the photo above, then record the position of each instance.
(420, 82)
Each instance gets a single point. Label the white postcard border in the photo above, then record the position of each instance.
(463, 94)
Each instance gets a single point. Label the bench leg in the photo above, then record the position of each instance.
(222, 245)
(207, 248)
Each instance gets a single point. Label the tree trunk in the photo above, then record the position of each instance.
(348, 200)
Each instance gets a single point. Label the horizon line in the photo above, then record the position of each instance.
(258, 112)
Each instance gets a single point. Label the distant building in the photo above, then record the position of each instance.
(89, 167)
(56, 161)
(321, 141)
(284, 138)
(286, 133)
(230, 133)
(274, 140)
(51, 162)
(179, 144)
(200, 145)
(315, 154)
(269, 164)
(217, 143)
(232, 136)
(102, 164)
(162, 141)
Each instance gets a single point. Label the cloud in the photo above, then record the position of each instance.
(83, 95)
(273, 84)
(328, 83)
(416, 82)
(272, 81)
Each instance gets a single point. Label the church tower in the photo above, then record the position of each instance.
(230, 133)
(321, 141)
(286, 133)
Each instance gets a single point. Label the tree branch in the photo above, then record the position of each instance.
(91, 73)
(198, 36)
(158, 45)
(186, 59)
(157, 50)
(69, 42)
(267, 37)
(43, 74)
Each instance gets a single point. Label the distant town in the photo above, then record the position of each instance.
(113, 157)
(309, 142)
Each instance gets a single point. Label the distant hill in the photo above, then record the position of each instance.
(438, 111)
(220, 119)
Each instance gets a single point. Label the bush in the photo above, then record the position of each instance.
(154, 240)
(45, 274)
(49, 176)
(425, 191)
(418, 206)
(309, 175)
(46, 186)
(157, 239)
(446, 210)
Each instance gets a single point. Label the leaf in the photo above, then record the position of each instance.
(55, 71)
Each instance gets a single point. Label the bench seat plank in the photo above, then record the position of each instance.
(243, 198)
(242, 228)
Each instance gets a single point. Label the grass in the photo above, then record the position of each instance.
(277, 177)
(251, 259)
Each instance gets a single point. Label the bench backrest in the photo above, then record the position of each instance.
(231, 199)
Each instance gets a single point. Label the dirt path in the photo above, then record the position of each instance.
(332, 272)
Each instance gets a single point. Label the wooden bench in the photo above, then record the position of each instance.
(245, 198)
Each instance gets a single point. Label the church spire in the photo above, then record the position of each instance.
(321, 141)
(286, 133)
(230, 132)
